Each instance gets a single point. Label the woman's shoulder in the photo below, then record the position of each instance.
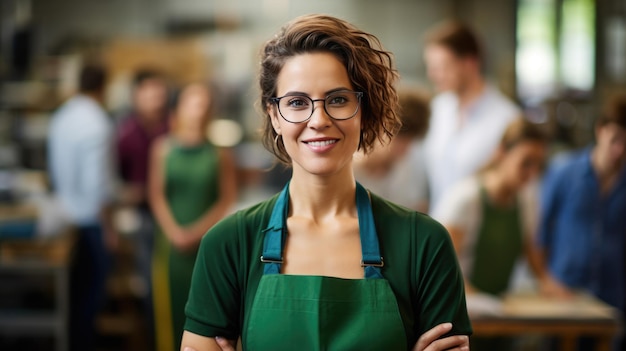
(396, 217)
(246, 221)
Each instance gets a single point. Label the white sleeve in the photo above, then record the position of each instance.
(460, 206)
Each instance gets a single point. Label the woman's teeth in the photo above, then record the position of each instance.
(321, 143)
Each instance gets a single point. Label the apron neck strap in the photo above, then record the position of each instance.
(372, 261)
(276, 231)
(274, 234)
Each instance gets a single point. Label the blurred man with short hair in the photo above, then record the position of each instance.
(583, 212)
(81, 171)
(469, 115)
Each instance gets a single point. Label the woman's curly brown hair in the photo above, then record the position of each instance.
(370, 69)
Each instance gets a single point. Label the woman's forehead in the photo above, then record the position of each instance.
(312, 73)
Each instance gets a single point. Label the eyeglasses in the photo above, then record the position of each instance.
(340, 105)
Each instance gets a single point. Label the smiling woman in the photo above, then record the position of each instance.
(314, 266)
(325, 143)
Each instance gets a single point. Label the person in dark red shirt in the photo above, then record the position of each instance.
(147, 121)
(137, 131)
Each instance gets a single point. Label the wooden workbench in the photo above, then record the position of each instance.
(532, 314)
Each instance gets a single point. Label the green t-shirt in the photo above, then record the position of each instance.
(420, 265)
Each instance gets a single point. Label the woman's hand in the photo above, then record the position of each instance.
(183, 239)
(223, 343)
(430, 341)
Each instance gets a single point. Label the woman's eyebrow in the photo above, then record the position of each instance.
(337, 89)
(295, 93)
(300, 93)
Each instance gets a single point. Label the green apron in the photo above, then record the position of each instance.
(298, 312)
(500, 242)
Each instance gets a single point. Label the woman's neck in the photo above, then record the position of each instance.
(320, 197)
(189, 137)
(497, 189)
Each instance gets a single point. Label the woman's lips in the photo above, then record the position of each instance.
(321, 145)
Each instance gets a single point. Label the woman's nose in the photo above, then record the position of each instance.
(319, 118)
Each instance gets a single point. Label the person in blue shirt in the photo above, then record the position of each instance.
(81, 171)
(583, 212)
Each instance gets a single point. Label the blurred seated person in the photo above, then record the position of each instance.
(582, 229)
(391, 169)
(491, 217)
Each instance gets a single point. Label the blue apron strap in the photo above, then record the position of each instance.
(274, 234)
(372, 260)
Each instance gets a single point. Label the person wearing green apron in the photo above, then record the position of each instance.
(325, 264)
(191, 188)
(324, 312)
(271, 307)
(491, 218)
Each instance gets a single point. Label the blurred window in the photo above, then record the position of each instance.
(555, 48)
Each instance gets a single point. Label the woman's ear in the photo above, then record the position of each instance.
(271, 111)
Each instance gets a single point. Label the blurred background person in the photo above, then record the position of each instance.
(135, 134)
(468, 116)
(583, 212)
(81, 170)
(492, 219)
(192, 185)
(137, 130)
(388, 170)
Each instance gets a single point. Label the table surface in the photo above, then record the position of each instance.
(582, 307)
(531, 313)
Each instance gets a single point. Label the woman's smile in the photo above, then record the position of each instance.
(321, 145)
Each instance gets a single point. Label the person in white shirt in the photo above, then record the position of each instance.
(469, 115)
(80, 162)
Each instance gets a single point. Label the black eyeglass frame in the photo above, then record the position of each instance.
(359, 96)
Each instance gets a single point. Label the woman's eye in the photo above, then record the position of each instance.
(337, 100)
(297, 103)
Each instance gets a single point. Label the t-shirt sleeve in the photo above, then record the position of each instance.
(440, 288)
(459, 206)
(213, 307)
